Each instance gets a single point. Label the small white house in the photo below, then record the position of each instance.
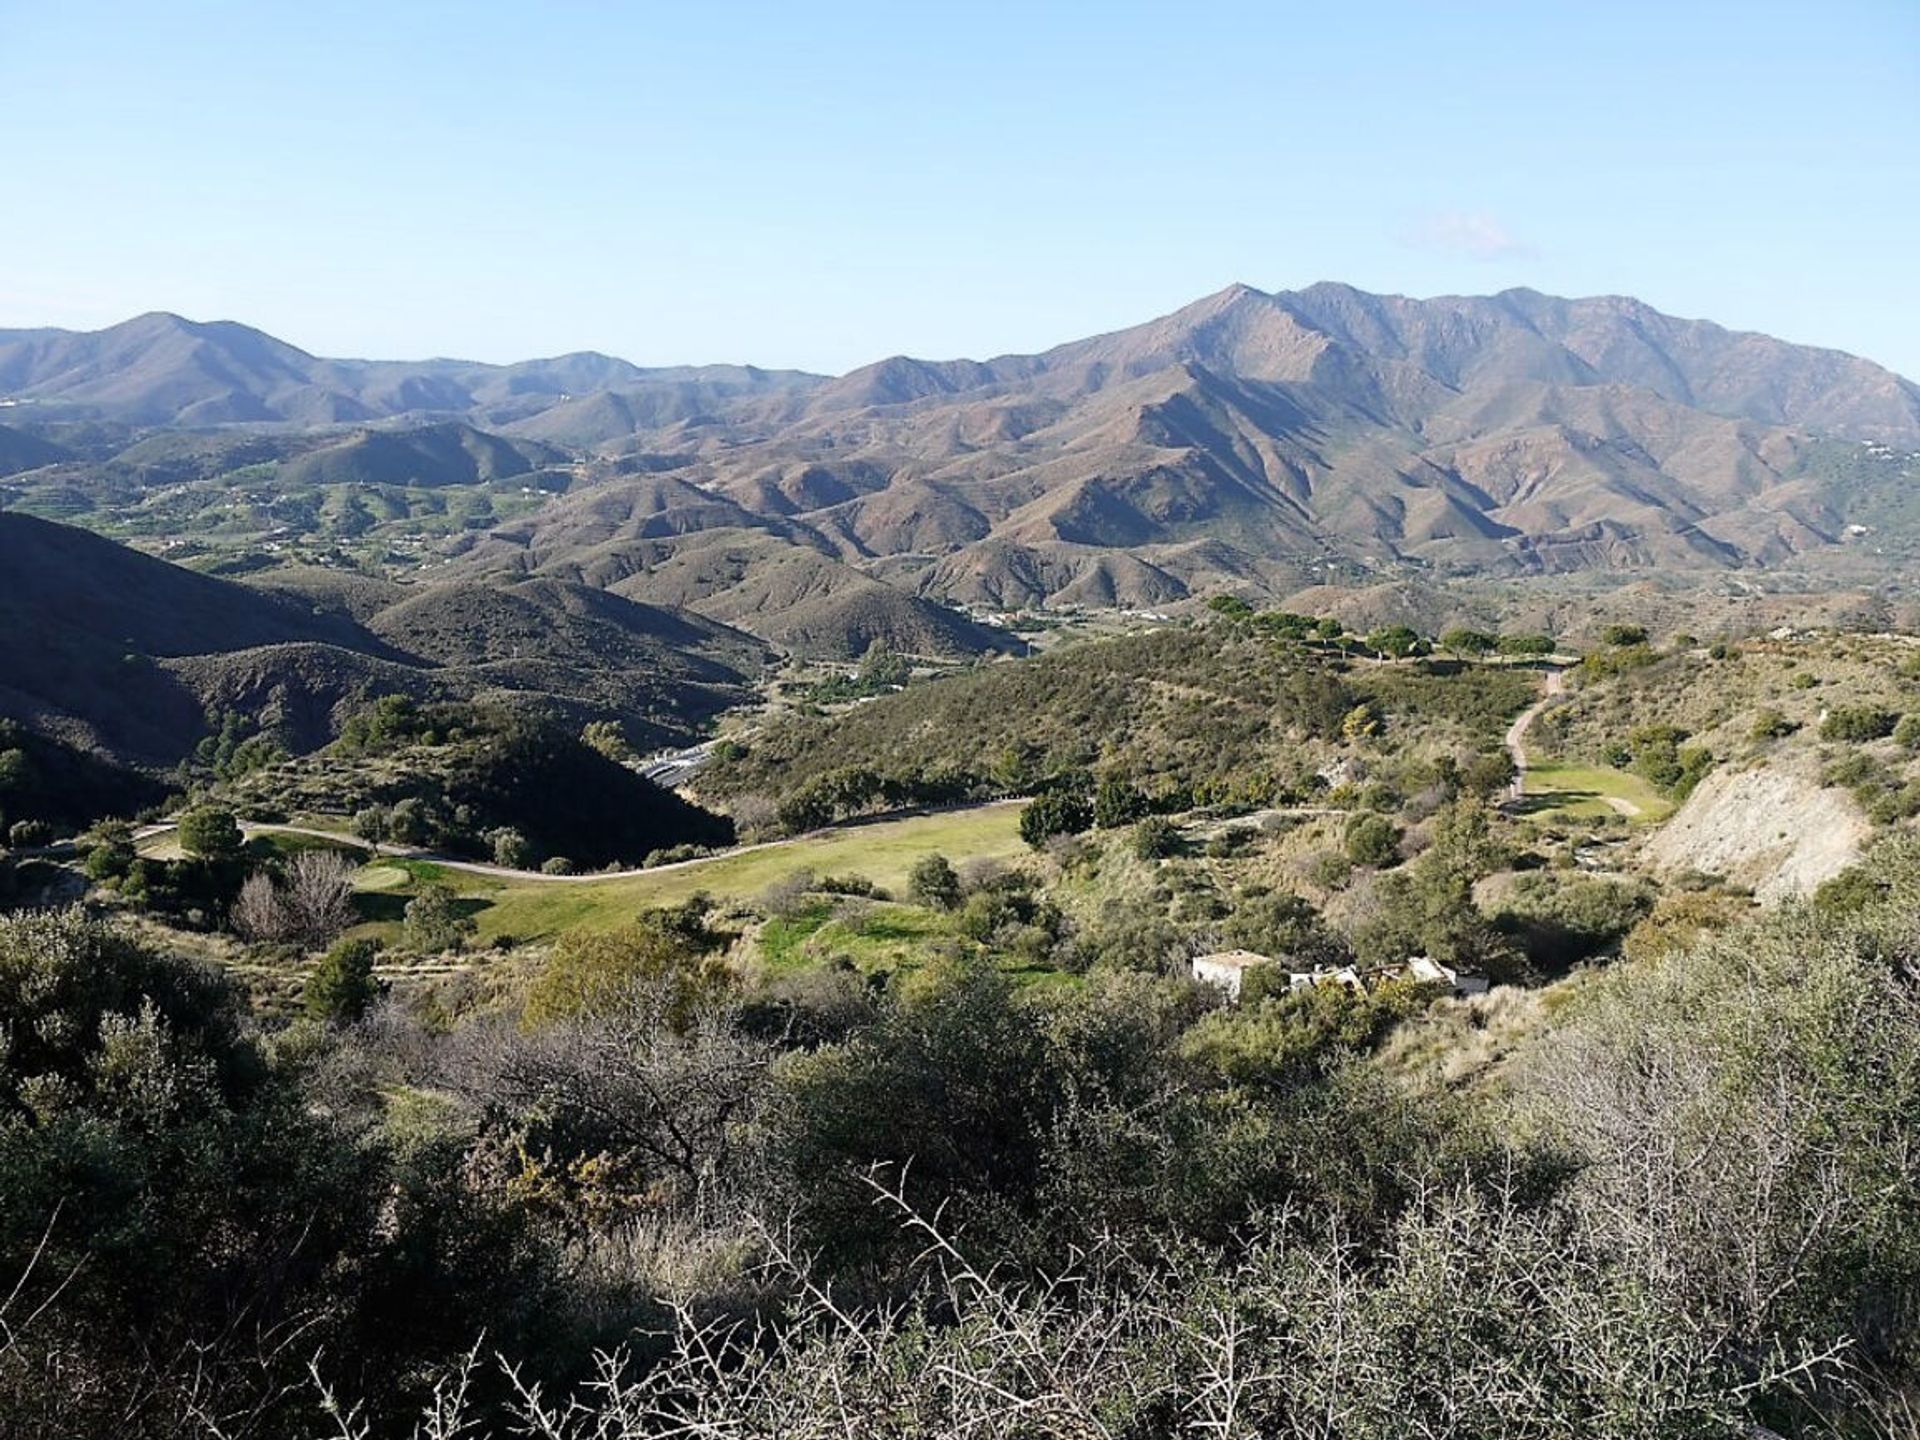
(1228, 969)
(1426, 968)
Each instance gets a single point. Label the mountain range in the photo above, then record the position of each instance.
(667, 525)
(1257, 442)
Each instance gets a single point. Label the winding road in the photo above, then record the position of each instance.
(1556, 685)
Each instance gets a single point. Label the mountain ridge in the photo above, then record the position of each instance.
(1263, 441)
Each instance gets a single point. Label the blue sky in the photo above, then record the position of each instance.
(822, 185)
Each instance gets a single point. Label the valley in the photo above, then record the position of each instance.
(603, 828)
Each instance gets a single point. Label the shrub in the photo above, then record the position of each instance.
(1372, 840)
(341, 985)
(1770, 725)
(667, 955)
(1858, 724)
(435, 921)
(934, 882)
(210, 832)
(29, 834)
(1059, 812)
(1156, 838)
(511, 849)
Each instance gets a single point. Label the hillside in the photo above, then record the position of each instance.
(1262, 443)
(1191, 714)
(122, 652)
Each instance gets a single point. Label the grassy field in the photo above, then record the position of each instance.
(1566, 788)
(532, 909)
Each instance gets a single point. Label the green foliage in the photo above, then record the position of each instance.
(1657, 754)
(436, 921)
(1281, 1041)
(1397, 642)
(1372, 840)
(1468, 642)
(1059, 812)
(1621, 636)
(934, 882)
(1156, 838)
(1858, 724)
(210, 832)
(668, 955)
(1282, 925)
(1769, 724)
(608, 738)
(1525, 645)
(511, 849)
(1231, 606)
(1116, 803)
(1560, 921)
(341, 985)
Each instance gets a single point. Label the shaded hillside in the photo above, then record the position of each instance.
(20, 451)
(121, 652)
(44, 780)
(471, 770)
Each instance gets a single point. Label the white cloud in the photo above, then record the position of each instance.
(1473, 233)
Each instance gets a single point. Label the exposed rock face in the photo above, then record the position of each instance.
(1775, 829)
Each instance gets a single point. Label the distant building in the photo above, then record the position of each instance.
(1430, 971)
(1228, 969)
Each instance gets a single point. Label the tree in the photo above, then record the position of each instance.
(210, 832)
(882, 669)
(1361, 723)
(341, 985)
(408, 822)
(319, 896)
(370, 823)
(1156, 838)
(110, 852)
(1624, 635)
(1058, 812)
(668, 953)
(1231, 606)
(1473, 643)
(1116, 802)
(435, 921)
(1372, 840)
(1396, 642)
(934, 882)
(259, 911)
(1525, 645)
(606, 737)
(511, 849)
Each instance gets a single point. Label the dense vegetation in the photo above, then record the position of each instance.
(1689, 1203)
(485, 781)
(1226, 712)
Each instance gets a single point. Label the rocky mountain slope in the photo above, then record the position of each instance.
(1253, 441)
